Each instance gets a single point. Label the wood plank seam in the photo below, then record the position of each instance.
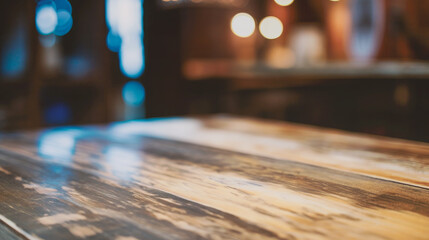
(16, 229)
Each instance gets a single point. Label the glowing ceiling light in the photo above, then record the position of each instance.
(284, 2)
(46, 19)
(243, 25)
(271, 27)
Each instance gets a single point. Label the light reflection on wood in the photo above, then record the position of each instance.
(123, 187)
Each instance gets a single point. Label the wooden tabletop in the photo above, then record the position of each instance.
(211, 178)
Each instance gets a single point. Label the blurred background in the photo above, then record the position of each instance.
(357, 65)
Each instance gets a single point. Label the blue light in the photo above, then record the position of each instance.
(54, 16)
(112, 13)
(113, 41)
(65, 23)
(125, 162)
(58, 113)
(77, 65)
(14, 53)
(48, 41)
(151, 127)
(46, 19)
(125, 22)
(63, 5)
(133, 93)
(58, 143)
(131, 58)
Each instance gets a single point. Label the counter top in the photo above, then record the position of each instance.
(217, 177)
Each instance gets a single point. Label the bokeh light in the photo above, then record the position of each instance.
(65, 19)
(125, 162)
(63, 5)
(284, 2)
(65, 23)
(113, 41)
(131, 58)
(59, 143)
(48, 41)
(271, 27)
(54, 17)
(77, 65)
(14, 52)
(243, 25)
(125, 21)
(46, 18)
(58, 113)
(133, 93)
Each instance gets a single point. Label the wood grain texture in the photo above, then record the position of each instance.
(88, 183)
(386, 158)
(8, 234)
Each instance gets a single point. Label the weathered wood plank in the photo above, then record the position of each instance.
(115, 187)
(8, 234)
(391, 159)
